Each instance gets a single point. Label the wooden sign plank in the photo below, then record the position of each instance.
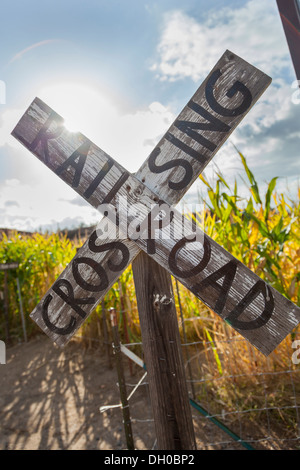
(290, 17)
(7, 266)
(256, 310)
(84, 282)
(218, 106)
(73, 157)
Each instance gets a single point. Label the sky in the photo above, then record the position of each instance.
(120, 72)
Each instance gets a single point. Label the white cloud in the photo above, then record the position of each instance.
(44, 205)
(268, 135)
(189, 48)
(8, 120)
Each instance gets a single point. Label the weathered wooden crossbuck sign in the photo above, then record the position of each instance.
(139, 214)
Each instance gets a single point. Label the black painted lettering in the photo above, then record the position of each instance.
(259, 288)
(151, 246)
(213, 124)
(196, 269)
(44, 135)
(103, 284)
(237, 87)
(116, 188)
(191, 129)
(227, 272)
(97, 180)
(159, 217)
(69, 298)
(186, 148)
(154, 168)
(55, 329)
(76, 161)
(110, 247)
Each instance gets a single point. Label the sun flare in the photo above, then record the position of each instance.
(82, 108)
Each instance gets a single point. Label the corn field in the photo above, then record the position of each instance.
(261, 230)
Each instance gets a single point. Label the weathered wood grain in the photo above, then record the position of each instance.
(121, 380)
(6, 310)
(55, 314)
(261, 314)
(74, 158)
(218, 106)
(163, 358)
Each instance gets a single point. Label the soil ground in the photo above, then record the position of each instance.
(50, 400)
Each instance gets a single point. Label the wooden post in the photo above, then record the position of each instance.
(106, 335)
(185, 341)
(21, 311)
(121, 378)
(163, 357)
(6, 267)
(6, 315)
(123, 309)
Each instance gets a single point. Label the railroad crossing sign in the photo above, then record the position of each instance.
(139, 214)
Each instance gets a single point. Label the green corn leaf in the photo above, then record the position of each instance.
(204, 180)
(254, 186)
(261, 226)
(215, 352)
(221, 178)
(269, 192)
(250, 208)
(230, 201)
(255, 192)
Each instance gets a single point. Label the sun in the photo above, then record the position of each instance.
(84, 109)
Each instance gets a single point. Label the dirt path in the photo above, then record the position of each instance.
(50, 399)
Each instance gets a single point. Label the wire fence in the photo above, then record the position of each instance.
(240, 399)
(261, 406)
